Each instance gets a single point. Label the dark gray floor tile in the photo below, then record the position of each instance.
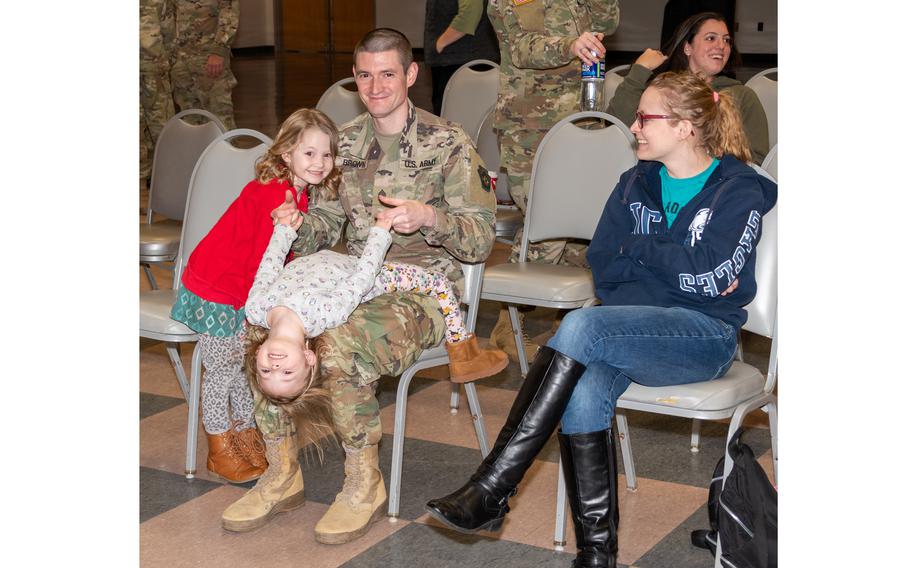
(161, 491)
(660, 447)
(676, 550)
(422, 545)
(150, 404)
(430, 470)
(388, 388)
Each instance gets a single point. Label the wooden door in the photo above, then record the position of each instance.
(324, 25)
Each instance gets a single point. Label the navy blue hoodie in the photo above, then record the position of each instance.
(638, 261)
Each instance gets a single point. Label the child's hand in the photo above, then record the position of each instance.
(287, 213)
(385, 223)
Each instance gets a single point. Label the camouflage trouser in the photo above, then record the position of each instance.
(193, 88)
(156, 107)
(382, 337)
(516, 150)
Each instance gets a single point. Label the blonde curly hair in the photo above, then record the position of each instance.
(272, 166)
(312, 407)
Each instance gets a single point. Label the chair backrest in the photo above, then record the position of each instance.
(766, 89)
(488, 148)
(223, 170)
(469, 93)
(341, 104)
(178, 147)
(473, 280)
(770, 163)
(574, 172)
(763, 308)
(612, 79)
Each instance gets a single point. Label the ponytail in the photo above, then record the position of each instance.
(717, 122)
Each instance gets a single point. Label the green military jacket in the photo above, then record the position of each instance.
(540, 80)
(436, 164)
(156, 31)
(206, 27)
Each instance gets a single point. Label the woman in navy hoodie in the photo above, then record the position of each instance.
(673, 266)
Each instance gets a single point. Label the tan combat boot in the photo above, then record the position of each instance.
(362, 500)
(502, 338)
(226, 459)
(279, 489)
(468, 362)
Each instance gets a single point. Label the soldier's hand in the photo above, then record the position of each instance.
(406, 215)
(651, 59)
(214, 65)
(283, 212)
(588, 47)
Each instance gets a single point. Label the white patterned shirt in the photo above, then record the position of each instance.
(322, 288)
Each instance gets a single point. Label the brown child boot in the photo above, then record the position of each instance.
(252, 447)
(226, 459)
(468, 362)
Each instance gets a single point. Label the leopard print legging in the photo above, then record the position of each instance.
(224, 384)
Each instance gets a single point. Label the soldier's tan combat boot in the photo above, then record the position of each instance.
(502, 338)
(362, 500)
(279, 489)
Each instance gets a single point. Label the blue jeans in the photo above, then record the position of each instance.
(649, 345)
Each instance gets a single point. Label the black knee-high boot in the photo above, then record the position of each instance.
(482, 503)
(589, 466)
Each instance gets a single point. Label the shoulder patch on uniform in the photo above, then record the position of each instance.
(484, 178)
(521, 2)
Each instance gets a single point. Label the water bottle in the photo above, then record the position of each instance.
(592, 85)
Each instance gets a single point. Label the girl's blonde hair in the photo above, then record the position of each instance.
(272, 166)
(312, 408)
(718, 124)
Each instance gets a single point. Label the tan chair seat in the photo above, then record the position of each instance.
(155, 314)
(160, 239)
(551, 283)
(741, 382)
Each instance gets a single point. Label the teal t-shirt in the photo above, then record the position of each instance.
(676, 193)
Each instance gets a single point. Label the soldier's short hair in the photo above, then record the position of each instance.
(386, 39)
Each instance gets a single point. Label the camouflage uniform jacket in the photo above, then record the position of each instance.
(437, 164)
(156, 33)
(206, 27)
(540, 80)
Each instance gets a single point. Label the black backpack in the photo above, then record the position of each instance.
(745, 512)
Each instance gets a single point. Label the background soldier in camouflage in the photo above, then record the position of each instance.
(201, 60)
(424, 173)
(156, 34)
(542, 44)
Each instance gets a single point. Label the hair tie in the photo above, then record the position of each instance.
(716, 96)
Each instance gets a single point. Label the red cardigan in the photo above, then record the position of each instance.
(224, 263)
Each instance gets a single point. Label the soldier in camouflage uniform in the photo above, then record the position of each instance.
(405, 164)
(156, 34)
(201, 60)
(542, 44)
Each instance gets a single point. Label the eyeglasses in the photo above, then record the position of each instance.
(643, 117)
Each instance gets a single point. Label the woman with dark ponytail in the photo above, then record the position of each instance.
(673, 266)
(703, 45)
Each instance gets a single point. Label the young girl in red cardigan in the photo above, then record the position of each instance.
(218, 277)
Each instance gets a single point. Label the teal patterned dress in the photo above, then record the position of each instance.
(202, 316)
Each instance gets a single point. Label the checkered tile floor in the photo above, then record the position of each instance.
(180, 518)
